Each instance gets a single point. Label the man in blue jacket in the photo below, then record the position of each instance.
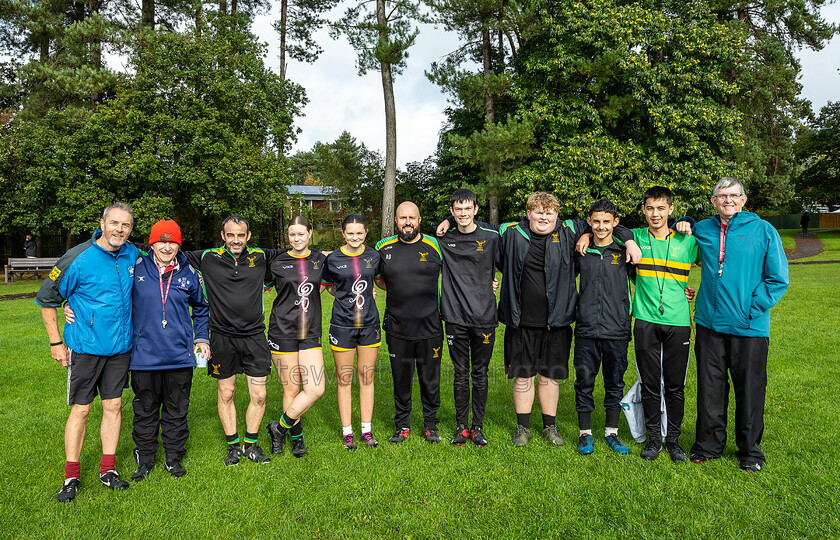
(162, 362)
(744, 274)
(96, 279)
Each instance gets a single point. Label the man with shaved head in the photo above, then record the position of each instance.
(409, 270)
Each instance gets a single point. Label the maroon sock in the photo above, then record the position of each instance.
(72, 469)
(108, 463)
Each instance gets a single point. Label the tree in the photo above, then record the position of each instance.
(299, 20)
(818, 150)
(381, 39)
(625, 96)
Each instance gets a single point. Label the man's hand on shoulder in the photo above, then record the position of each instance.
(683, 227)
(634, 253)
(583, 243)
(442, 227)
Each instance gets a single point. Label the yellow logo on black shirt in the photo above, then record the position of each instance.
(55, 273)
(423, 256)
(554, 239)
(315, 265)
(251, 263)
(486, 339)
(436, 350)
(616, 258)
(480, 245)
(216, 368)
(367, 263)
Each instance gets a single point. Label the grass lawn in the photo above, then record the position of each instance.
(416, 490)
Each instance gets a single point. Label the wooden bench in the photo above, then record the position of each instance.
(38, 265)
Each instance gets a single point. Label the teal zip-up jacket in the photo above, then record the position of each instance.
(736, 298)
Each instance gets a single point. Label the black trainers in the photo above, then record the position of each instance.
(68, 490)
(461, 435)
(112, 480)
(750, 467)
(298, 447)
(477, 436)
(253, 452)
(651, 450)
(233, 453)
(143, 470)
(677, 454)
(400, 435)
(432, 435)
(277, 437)
(174, 467)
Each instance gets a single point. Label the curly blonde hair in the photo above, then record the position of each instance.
(543, 200)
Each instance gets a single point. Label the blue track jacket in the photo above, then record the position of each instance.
(737, 300)
(156, 347)
(97, 284)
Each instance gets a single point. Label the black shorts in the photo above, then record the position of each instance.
(279, 345)
(347, 339)
(429, 348)
(529, 351)
(234, 355)
(89, 374)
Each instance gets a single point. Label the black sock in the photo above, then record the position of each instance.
(232, 439)
(523, 419)
(585, 420)
(296, 430)
(286, 422)
(612, 418)
(250, 438)
(548, 420)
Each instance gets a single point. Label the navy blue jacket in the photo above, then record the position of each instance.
(156, 347)
(97, 284)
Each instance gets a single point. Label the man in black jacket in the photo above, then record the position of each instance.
(602, 329)
(537, 304)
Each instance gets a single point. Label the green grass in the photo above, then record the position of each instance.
(416, 490)
(831, 249)
(787, 237)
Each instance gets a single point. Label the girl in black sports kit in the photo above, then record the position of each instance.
(354, 327)
(294, 333)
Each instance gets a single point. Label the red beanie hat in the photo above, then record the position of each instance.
(165, 230)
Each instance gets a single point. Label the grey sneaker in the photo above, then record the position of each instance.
(521, 436)
(550, 434)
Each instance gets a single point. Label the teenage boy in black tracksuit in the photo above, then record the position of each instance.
(602, 329)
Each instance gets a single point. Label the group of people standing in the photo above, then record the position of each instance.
(156, 313)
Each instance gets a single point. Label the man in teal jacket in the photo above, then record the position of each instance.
(744, 274)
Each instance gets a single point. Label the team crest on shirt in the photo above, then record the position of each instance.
(480, 246)
(554, 238)
(486, 339)
(140, 279)
(368, 263)
(55, 273)
(183, 282)
(423, 256)
(251, 260)
(675, 250)
(315, 265)
(436, 351)
(131, 271)
(616, 258)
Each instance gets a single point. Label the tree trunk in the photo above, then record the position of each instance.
(233, 6)
(148, 9)
(389, 191)
(489, 121)
(222, 6)
(284, 7)
(95, 52)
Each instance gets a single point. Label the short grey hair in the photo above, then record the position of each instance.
(728, 182)
(118, 206)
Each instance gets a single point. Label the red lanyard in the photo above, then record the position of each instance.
(163, 296)
(722, 251)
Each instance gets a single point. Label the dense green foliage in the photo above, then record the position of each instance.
(818, 149)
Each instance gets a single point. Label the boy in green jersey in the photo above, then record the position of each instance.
(662, 331)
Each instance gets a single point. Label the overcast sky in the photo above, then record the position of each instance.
(341, 100)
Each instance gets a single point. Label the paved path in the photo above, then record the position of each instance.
(806, 246)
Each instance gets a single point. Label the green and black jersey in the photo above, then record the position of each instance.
(233, 287)
(296, 311)
(469, 267)
(351, 278)
(411, 273)
(662, 276)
